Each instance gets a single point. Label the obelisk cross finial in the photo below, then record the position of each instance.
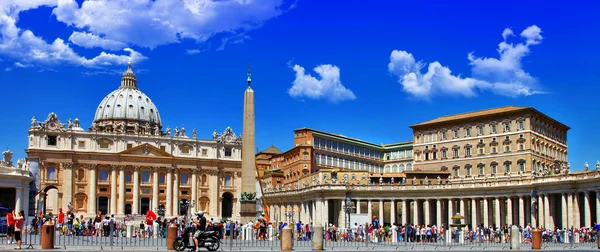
(249, 74)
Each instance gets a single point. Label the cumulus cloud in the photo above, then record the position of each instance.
(328, 86)
(27, 48)
(89, 40)
(150, 23)
(503, 75)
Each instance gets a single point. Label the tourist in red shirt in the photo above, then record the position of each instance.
(61, 221)
(19, 227)
(10, 221)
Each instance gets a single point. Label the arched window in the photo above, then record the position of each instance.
(161, 178)
(394, 168)
(51, 173)
(145, 177)
(104, 175)
(401, 168)
(409, 167)
(184, 179)
(128, 177)
(387, 168)
(227, 180)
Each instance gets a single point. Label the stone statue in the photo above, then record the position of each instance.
(69, 123)
(136, 128)
(414, 180)
(426, 181)
(147, 128)
(176, 131)
(380, 180)
(439, 180)
(33, 121)
(215, 135)
(20, 163)
(76, 123)
(194, 133)
(404, 180)
(94, 126)
(586, 166)
(7, 157)
(597, 165)
(183, 131)
(168, 131)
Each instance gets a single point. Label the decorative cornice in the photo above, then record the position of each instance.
(67, 165)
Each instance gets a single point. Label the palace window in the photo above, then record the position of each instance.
(228, 181)
(480, 169)
(507, 148)
(468, 169)
(481, 151)
(494, 169)
(163, 148)
(522, 167)
(145, 177)
(204, 152)
(81, 174)
(346, 176)
(51, 173)
(467, 132)
(443, 135)
(507, 168)
(161, 179)
(81, 144)
(104, 145)
(479, 130)
(353, 176)
(494, 150)
(228, 151)
(51, 140)
(128, 177)
(364, 176)
(455, 133)
(184, 179)
(434, 137)
(426, 138)
(103, 176)
(507, 127)
(468, 152)
(521, 147)
(521, 125)
(493, 129)
(455, 153)
(444, 154)
(409, 167)
(387, 169)
(455, 170)
(129, 146)
(185, 149)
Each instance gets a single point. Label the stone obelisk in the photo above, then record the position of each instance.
(248, 203)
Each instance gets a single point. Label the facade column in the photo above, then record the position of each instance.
(547, 218)
(532, 213)
(92, 193)
(135, 209)
(598, 207)
(358, 206)
(154, 189)
(563, 204)
(68, 184)
(509, 211)
(587, 211)
(438, 212)
(497, 212)
(326, 211)
(416, 212)
(195, 193)
(213, 176)
(404, 212)
(392, 212)
(113, 189)
(541, 217)
(486, 215)
(317, 211)
(450, 212)
(25, 201)
(576, 211)
(426, 211)
(462, 209)
(522, 211)
(121, 190)
(570, 214)
(19, 199)
(369, 211)
(176, 192)
(473, 213)
(380, 217)
(169, 206)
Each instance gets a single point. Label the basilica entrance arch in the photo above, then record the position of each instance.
(50, 200)
(226, 205)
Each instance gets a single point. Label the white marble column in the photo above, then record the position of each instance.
(570, 221)
(381, 217)
(214, 192)
(169, 206)
(154, 189)
(497, 212)
(473, 213)
(136, 190)
(92, 193)
(121, 190)
(358, 206)
(416, 212)
(547, 214)
(195, 193)
(392, 211)
(522, 211)
(317, 211)
(113, 189)
(509, 211)
(541, 213)
(576, 211)
(25, 201)
(438, 212)
(19, 199)
(563, 205)
(404, 212)
(326, 210)
(67, 192)
(587, 211)
(532, 212)
(450, 212)
(369, 209)
(176, 193)
(462, 209)
(426, 212)
(597, 206)
(486, 215)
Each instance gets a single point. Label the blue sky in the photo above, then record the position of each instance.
(349, 67)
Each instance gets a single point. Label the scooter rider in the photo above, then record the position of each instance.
(200, 223)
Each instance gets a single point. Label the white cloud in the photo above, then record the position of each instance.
(150, 23)
(89, 40)
(503, 75)
(329, 86)
(25, 47)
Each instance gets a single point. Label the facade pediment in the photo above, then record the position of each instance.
(146, 150)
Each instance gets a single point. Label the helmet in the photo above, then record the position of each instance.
(200, 213)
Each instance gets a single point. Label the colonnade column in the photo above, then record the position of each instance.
(450, 212)
(541, 217)
(509, 211)
(92, 183)
(462, 209)
(169, 206)
(570, 214)
(473, 213)
(576, 211)
(532, 213)
(135, 209)
(438, 212)
(358, 206)
(598, 207)
(547, 218)
(404, 212)
(586, 210)
(176, 194)
(416, 212)
(195, 193)
(19, 200)
(426, 210)
(565, 220)
(326, 211)
(522, 211)
(154, 189)
(121, 190)
(392, 212)
(380, 217)
(486, 216)
(113, 189)
(497, 212)
(369, 211)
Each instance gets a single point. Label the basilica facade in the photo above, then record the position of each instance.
(499, 166)
(126, 162)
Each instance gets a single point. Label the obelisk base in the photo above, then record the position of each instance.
(248, 211)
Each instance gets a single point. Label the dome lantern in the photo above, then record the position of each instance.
(128, 80)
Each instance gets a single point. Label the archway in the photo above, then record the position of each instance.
(227, 205)
(50, 200)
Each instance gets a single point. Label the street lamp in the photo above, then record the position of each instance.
(289, 214)
(161, 210)
(348, 208)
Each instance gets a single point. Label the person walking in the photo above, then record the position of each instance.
(10, 221)
(19, 227)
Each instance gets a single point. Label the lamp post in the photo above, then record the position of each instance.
(348, 208)
(160, 210)
(289, 214)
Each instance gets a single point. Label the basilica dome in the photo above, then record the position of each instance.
(127, 110)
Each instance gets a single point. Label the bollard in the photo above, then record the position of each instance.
(171, 235)
(48, 236)
(129, 230)
(317, 237)
(155, 230)
(536, 239)
(514, 238)
(286, 239)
